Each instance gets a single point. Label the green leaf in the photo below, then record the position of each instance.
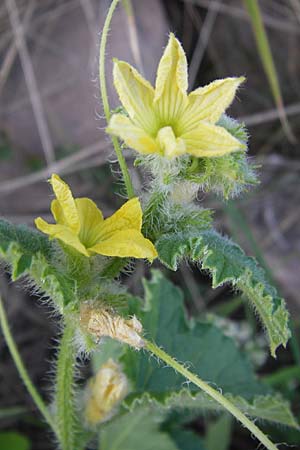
(186, 439)
(227, 262)
(137, 430)
(218, 434)
(14, 441)
(29, 253)
(210, 354)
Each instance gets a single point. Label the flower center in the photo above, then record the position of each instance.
(170, 145)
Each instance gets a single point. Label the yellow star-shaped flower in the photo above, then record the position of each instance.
(80, 224)
(166, 120)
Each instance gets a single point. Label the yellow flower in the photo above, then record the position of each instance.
(80, 224)
(166, 120)
(105, 392)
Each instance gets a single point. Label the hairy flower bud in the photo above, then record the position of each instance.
(105, 392)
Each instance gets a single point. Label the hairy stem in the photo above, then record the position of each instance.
(213, 393)
(106, 107)
(22, 370)
(64, 397)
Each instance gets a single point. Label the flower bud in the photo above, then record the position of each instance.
(105, 392)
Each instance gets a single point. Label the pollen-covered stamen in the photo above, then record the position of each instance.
(103, 322)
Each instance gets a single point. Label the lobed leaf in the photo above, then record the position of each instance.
(210, 354)
(273, 408)
(213, 356)
(227, 262)
(29, 253)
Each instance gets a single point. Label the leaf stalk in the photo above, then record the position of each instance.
(213, 393)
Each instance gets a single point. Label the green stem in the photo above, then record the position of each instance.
(22, 370)
(213, 393)
(64, 398)
(106, 107)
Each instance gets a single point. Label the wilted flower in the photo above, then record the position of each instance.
(105, 392)
(101, 322)
(168, 121)
(80, 224)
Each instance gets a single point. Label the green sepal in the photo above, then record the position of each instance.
(227, 262)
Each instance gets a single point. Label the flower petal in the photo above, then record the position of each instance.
(128, 217)
(91, 221)
(136, 95)
(208, 103)
(210, 140)
(128, 243)
(169, 144)
(133, 136)
(171, 82)
(61, 232)
(64, 196)
(58, 213)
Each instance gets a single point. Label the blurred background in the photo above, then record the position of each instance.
(51, 121)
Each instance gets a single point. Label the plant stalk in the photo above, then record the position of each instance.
(22, 370)
(104, 96)
(64, 385)
(213, 393)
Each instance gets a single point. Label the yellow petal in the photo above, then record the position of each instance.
(62, 233)
(126, 244)
(129, 216)
(64, 196)
(171, 82)
(133, 136)
(136, 94)
(208, 103)
(210, 140)
(169, 144)
(91, 221)
(58, 213)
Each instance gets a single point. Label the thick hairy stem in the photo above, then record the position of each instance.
(106, 107)
(213, 393)
(64, 396)
(22, 370)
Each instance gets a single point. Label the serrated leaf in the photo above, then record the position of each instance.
(210, 354)
(227, 262)
(273, 408)
(21, 266)
(137, 430)
(29, 253)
